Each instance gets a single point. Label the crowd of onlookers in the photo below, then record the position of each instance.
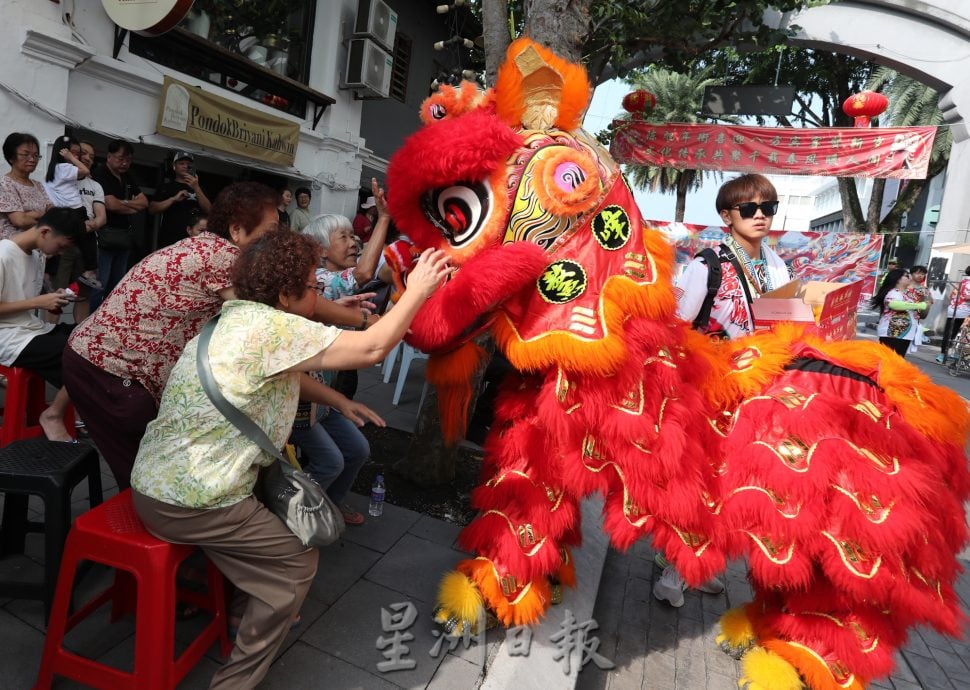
(288, 289)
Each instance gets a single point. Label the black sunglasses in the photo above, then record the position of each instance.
(749, 208)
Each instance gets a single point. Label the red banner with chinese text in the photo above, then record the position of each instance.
(897, 152)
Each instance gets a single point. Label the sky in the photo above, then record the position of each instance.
(607, 104)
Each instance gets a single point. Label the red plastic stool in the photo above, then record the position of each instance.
(25, 401)
(113, 535)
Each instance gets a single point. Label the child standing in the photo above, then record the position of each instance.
(61, 184)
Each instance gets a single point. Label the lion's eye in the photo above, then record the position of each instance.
(458, 211)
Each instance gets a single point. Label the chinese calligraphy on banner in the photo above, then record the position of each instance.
(829, 256)
(898, 152)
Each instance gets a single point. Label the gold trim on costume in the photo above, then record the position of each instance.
(852, 553)
(779, 502)
(871, 508)
(770, 549)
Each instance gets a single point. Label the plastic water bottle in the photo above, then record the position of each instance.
(377, 497)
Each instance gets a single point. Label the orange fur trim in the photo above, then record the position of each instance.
(451, 374)
(621, 298)
(526, 609)
(450, 101)
(574, 96)
(553, 198)
(812, 668)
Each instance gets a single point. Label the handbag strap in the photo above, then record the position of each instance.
(239, 419)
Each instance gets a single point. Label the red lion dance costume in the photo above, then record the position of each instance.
(836, 469)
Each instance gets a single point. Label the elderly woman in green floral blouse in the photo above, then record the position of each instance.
(193, 479)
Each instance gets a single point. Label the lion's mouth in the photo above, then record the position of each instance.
(458, 211)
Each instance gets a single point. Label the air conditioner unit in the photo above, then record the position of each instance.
(368, 68)
(375, 19)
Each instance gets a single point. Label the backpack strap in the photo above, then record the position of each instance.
(713, 261)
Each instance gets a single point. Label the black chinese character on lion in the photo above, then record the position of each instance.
(562, 282)
(611, 227)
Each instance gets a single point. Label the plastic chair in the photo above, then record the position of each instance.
(25, 401)
(387, 367)
(51, 470)
(113, 535)
(408, 354)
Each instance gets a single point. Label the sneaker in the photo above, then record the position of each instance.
(939, 359)
(712, 586)
(90, 280)
(670, 587)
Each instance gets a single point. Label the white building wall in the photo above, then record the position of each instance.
(71, 73)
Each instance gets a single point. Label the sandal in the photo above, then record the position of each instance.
(351, 516)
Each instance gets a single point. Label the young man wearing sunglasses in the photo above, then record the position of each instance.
(716, 297)
(748, 267)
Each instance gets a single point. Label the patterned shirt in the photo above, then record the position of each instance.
(163, 302)
(191, 455)
(336, 284)
(18, 197)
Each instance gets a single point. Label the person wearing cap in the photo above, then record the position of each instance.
(364, 220)
(177, 199)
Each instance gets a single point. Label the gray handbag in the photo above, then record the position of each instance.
(293, 496)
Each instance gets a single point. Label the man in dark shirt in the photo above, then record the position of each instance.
(123, 198)
(177, 199)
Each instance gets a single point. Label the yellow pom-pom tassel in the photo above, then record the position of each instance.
(736, 634)
(459, 603)
(764, 670)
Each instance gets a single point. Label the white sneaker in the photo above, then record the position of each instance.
(670, 587)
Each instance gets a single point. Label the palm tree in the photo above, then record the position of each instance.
(679, 99)
(911, 103)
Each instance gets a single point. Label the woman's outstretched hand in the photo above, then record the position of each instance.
(429, 272)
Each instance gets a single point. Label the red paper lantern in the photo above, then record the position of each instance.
(639, 103)
(865, 105)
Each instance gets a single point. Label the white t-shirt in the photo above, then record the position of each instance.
(63, 191)
(91, 193)
(21, 277)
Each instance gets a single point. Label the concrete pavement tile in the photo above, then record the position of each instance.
(928, 672)
(340, 566)
(455, 672)
(660, 671)
(20, 652)
(414, 567)
(630, 645)
(718, 681)
(437, 531)
(350, 629)
(717, 660)
(636, 603)
(917, 644)
(935, 639)
(902, 671)
(379, 533)
(955, 667)
(690, 656)
(306, 668)
(713, 606)
(692, 605)
(662, 633)
(21, 567)
(905, 685)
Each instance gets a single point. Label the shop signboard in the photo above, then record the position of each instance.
(192, 114)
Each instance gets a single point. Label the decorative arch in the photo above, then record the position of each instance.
(928, 40)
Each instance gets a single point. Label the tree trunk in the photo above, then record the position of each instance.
(495, 18)
(851, 207)
(429, 461)
(560, 25)
(683, 182)
(874, 213)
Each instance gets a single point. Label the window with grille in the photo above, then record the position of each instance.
(402, 64)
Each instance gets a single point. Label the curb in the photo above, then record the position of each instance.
(539, 670)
